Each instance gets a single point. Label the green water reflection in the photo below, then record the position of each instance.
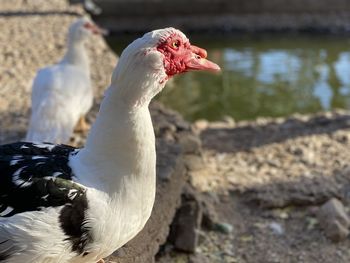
(264, 76)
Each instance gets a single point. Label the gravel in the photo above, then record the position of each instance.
(271, 177)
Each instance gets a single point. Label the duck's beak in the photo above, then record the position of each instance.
(96, 29)
(197, 60)
(99, 31)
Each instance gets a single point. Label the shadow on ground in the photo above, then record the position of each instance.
(249, 136)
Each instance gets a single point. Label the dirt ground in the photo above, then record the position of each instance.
(267, 179)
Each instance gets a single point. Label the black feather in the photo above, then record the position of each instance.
(35, 176)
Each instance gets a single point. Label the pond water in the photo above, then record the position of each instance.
(263, 76)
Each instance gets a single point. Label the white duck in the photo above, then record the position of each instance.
(62, 93)
(59, 204)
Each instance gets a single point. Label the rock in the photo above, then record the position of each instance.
(186, 224)
(194, 162)
(276, 228)
(229, 121)
(202, 236)
(3, 104)
(184, 230)
(224, 228)
(311, 223)
(334, 220)
(281, 213)
(198, 258)
(201, 124)
(190, 144)
(295, 150)
(308, 157)
(166, 164)
(336, 231)
(210, 217)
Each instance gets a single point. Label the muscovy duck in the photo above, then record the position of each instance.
(60, 204)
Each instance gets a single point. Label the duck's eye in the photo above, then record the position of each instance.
(176, 44)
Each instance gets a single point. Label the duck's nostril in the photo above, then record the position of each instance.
(199, 51)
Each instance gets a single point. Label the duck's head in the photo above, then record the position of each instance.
(147, 63)
(82, 29)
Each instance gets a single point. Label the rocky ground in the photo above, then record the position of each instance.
(267, 182)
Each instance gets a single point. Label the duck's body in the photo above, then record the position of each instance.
(62, 93)
(108, 194)
(56, 111)
(59, 204)
(115, 191)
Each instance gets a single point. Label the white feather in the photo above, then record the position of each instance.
(31, 232)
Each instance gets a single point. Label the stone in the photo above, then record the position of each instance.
(210, 217)
(336, 231)
(185, 228)
(229, 121)
(198, 258)
(201, 124)
(224, 228)
(194, 162)
(276, 228)
(191, 144)
(202, 237)
(334, 220)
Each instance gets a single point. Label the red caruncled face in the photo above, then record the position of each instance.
(180, 56)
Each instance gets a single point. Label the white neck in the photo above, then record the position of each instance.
(120, 144)
(120, 147)
(76, 55)
(119, 158)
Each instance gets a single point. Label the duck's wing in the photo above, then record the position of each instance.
(33, 176)
(7, 248)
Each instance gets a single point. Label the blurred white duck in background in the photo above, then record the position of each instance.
(62, 93)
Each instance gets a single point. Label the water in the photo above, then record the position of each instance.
(264, 76)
